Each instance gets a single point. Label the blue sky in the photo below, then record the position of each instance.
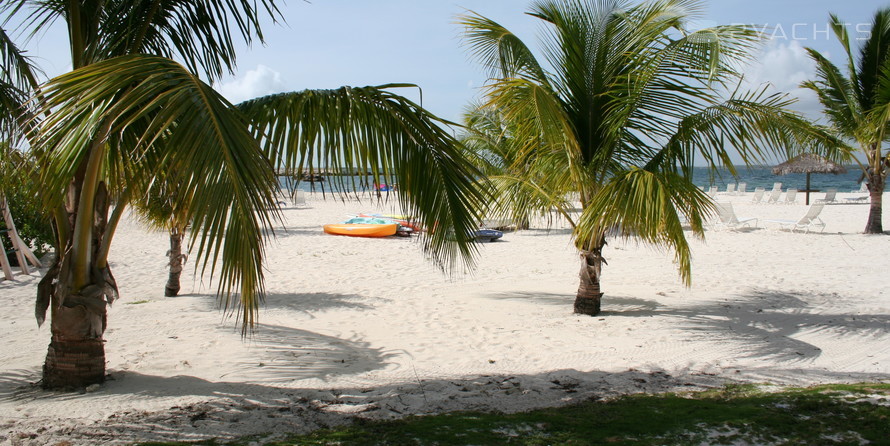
(330, 43)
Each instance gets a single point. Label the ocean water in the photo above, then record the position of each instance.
(753, 176)
(764, 177)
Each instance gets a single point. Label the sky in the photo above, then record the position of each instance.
(331, 43)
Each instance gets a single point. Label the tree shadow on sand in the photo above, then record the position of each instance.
(225, 410)
(315, 302)
(280, 355)
(286, 354)
(763, 324)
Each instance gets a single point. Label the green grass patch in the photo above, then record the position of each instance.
(736, 414)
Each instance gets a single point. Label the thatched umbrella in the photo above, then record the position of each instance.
(808, 163)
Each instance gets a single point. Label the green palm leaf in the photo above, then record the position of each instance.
(180, 125)
(370, 129)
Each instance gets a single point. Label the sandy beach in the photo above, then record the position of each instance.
(357, 327)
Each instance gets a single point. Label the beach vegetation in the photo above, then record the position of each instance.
(735, 414)
(624, 101)
(856, 102)
(138, 103)
(19, 184)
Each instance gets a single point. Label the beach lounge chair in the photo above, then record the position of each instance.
(741, 189)
(862, 196)
(300, 199)
(730, 189)
(726, 218)
(790, 196)
(830, 195)
(712, 192)
(758, 195)
(774, 195)
(807, 222)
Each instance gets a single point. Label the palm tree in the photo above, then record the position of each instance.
(104, 132)
(858, 104)
(628, 100)
(159, 210)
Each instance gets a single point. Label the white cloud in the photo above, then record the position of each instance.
(784, 65)
(259, 82)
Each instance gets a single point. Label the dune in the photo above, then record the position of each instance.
(367, 327)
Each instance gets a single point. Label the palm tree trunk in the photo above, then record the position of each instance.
(76, 353)
(589, 298)
(876, 183)
(176, 262)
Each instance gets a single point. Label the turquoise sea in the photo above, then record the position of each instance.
(763, 177)
(753, 176)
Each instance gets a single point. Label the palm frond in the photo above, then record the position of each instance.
(647, 205)
(370, 129)
(747, 124)
(498, 49)
(873, 58)
(837, 94)
(173, 123)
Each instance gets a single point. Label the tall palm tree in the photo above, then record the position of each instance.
(858, 104)
(127, 112)
(628, 99)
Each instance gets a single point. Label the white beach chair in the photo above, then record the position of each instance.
(830, 195)
(741, 189)
(774, 195)
(758, 195)
(863, 194)
(777, 185)
(726, 218)
(808, 221)
(790, 196)
(730, 189)
(300, 199)
(712, 191)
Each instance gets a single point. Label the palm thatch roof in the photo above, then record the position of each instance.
(808, 163)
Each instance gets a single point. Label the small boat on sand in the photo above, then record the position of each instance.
(363, 227)
(403, 220)
(487, 235)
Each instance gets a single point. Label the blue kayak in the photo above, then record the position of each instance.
(487, 235)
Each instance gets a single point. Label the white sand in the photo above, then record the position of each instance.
(368, 327)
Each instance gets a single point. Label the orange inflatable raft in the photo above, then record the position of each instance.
(361, 229)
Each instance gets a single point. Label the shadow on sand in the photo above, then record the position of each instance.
(225, 410)
(762, 323)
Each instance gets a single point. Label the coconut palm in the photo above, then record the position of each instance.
(858, 104)
(160, 211)
(628, 99)
(104, 134)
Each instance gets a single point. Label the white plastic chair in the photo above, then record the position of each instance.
(300, 199)
(758, 195)
(730, 189)
(809, 220)
(741, 189)
(726, 218)
(863, 194)
(830, 195)
(790, 196)
(774, 195)
(712, 192)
